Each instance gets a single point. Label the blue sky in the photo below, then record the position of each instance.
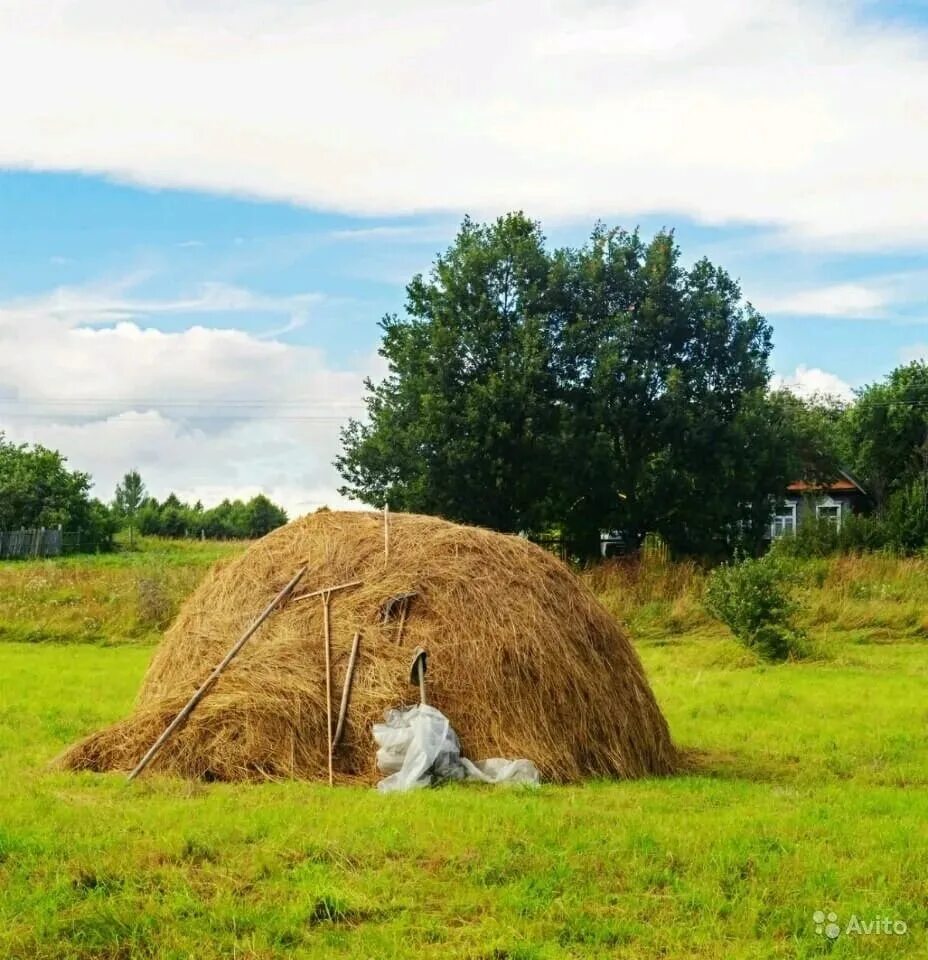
(204, 214)
(68, 230)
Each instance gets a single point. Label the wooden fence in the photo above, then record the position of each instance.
(18, 544)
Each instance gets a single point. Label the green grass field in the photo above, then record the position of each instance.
(808, 790)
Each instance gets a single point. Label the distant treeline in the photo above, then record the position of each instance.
(38, 490)
(230, 520)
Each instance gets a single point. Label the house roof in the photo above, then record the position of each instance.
(843, 483)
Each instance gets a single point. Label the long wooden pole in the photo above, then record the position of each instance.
(346, 691)
(328, 681)
(211, 679)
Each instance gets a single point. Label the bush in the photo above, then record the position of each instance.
(821, 538)
(154, 607)
(906, 518)
(751, 597)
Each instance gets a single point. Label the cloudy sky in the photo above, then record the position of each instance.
(206, 207)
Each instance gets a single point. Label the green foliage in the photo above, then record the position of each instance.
(820, 537)
(886, 431)
(129, 496)
(812, 431)
(751, 597)
(110, 598)
(38, 490)
(606, 387)
(230, 520)
(902, 528)
(465, 425)
(906, 516)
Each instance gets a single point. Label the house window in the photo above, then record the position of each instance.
(830, 512)
(784, 522)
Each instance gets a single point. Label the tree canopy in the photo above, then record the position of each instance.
(229, 520)
(885, 432)
(603, 387)
(37, 489)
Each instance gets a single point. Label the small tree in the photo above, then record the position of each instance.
(263, 516)
(129, 497)
(38, 490)
(751, 597)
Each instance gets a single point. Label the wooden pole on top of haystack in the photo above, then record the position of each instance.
(386, 533)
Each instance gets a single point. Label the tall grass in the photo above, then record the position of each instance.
(652, 596)
(864, 598)
(129, 596)
(125, 597)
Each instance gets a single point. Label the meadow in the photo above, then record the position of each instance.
(805, 791)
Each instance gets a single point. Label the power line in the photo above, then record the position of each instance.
(79, 409)
(200, 402)
(137, 418)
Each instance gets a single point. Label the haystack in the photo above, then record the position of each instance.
(522, 659)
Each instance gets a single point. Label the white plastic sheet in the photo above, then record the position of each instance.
(417, 747)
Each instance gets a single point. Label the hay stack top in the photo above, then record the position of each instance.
(522, 659)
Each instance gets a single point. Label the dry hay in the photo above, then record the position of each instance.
(522, 659)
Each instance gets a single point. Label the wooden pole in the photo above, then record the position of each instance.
(328, 681)
(211, 679)
(421, 684)
(346, 691)
(319, 593)
(399, 630)
(386, 533)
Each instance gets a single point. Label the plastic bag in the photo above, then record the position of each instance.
(417, 747)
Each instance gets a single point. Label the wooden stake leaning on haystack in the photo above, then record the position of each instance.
(185, 712)
(386, 534)
(346, 691)
(326, 595)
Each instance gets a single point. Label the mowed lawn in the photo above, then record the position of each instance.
(808, 790)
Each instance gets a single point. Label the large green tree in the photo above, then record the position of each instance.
(601, 387)
(663, 372)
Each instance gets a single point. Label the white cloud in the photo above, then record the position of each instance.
(206, 412)
(112, 301)
(838, 300)
(809, 382)
(801, 115)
